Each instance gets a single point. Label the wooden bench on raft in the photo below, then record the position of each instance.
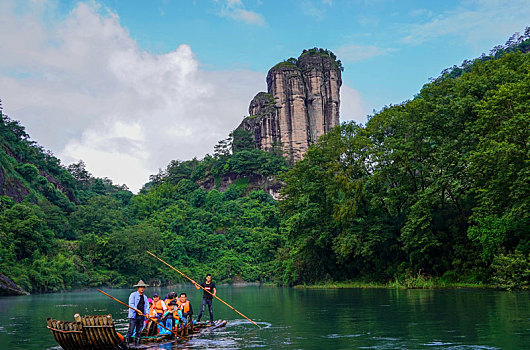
(86, 333)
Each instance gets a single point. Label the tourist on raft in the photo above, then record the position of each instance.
(185, 308)
(169, 298)
(159, 306)
(208, 286)
(169, 317)
(152, 312)
(137, 300)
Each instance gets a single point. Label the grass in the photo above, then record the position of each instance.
(241, 184)
(431, 283)
(342, 285)
(217, 182)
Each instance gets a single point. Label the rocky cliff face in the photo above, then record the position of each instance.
(8, 287)
(302, 104)
(268, 184)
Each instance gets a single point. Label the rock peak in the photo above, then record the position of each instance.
(301, 103)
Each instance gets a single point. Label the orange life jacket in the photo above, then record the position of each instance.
(158, 306)
(152, 312)
(184, 307)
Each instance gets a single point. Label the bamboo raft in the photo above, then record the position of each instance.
(98, 332)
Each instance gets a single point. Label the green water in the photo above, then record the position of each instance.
(305, 319)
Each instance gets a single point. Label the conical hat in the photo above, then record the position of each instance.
(141, 284)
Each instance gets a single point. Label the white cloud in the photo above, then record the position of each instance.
(368, 20)
(351, 105)
(356, 53)
(315, 10)
(84, 89)
(235, 9)
(473, 19)
(419, 12)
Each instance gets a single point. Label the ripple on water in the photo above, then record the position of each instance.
(436, 343)
(338, 336)
(472, 347)
(204, 343)
(452, 346)
(387, 343)
(242, 322)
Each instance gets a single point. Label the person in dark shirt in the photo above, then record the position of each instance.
(208, 286)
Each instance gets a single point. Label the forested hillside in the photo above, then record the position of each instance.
(433, 189)
(61, 228)
(435, 186)
(43, 208)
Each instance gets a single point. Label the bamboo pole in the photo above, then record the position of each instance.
(192, 281)
(141, 314)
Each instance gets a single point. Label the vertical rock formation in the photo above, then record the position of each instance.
(302, 104)
(322, 82)
(262, 121)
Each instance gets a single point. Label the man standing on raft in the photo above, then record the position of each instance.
(208, 286)
(137, 300)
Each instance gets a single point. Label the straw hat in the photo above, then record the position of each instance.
(141, 284)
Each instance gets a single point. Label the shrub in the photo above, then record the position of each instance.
(511, 271)
(28, 171)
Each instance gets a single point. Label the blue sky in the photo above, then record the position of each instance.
(389, 48)
(128, 86)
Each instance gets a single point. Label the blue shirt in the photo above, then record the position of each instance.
(134, 298)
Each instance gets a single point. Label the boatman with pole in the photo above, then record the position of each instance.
(209, 292)
(137, 300)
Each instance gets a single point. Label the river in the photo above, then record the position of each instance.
(304, 318)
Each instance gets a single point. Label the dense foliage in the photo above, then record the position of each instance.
(99, 233)
(436, 186)
(44, 208)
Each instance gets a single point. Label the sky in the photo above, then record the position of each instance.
(127, 86)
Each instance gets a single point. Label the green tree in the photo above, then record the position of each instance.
(101, 215)
(24, 230)
(242, 140)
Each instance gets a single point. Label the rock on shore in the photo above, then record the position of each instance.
(8, 287)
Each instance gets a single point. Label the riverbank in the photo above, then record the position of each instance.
(415, 283)
(427, 284)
